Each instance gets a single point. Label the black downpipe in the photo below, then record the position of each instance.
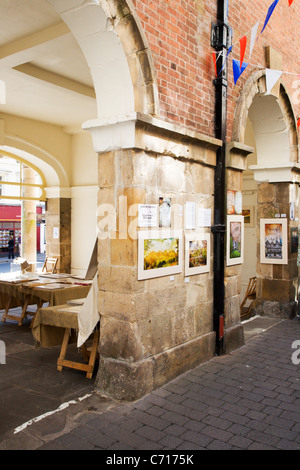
(220, 42)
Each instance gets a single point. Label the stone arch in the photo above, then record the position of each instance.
(280, 120)
(111, 38)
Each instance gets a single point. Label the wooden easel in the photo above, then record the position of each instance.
(249, 295)
(88, 354)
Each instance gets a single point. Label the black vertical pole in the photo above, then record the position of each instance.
(220, 35)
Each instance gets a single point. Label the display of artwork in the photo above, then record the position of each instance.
(197, 253)
(273, 241)
(159, 253)
(235, 240)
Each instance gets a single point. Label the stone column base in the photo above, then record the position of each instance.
(268, 308)
(129, 381)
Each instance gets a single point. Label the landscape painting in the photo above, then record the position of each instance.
(197, 254)
(159, 253)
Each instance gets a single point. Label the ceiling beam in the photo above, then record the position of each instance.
(56, 79)
(34, 39)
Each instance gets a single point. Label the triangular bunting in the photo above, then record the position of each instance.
(253, 37)
(237, 70)
(243, 43)
(214, 56)
(272, 76)
(290, 2)
(270, 11)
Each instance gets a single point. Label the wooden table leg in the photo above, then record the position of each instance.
(63, 350)
(4, 316)
(93, 354)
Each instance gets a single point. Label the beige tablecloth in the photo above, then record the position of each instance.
(50, 323)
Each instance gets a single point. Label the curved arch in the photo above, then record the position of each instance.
(111, 38)
(20, 183)
(273, 121)
(53, 171)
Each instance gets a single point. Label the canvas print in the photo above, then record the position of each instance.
(197, 253)
(159, 253)
(235, 239)
(273, 241)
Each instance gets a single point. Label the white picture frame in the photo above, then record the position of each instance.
(235, 240)
(197, 253)
(168, 243)
(273, 241)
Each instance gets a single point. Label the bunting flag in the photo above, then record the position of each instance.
(237, 69)
(214, 56)
(290, 2)
(253, 37)
(272, 76)
(270, 11)
(243, 43)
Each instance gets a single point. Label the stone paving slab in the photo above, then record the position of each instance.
(246, 400)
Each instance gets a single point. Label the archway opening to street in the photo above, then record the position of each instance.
(267, 131)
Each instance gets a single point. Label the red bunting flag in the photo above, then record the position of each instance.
(290, 2)
(214, 56)
(243, 43)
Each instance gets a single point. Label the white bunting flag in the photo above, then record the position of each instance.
(272, 76)
(253, 37)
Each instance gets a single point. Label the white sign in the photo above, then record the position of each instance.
(190, 215)
(204, 217)
(55, 232)
(147, 216)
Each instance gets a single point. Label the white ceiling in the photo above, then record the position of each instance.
(45, 73)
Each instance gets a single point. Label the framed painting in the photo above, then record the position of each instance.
(248, 212)
(273, 241)
(159, 253)
(197, 253)
(235, 240)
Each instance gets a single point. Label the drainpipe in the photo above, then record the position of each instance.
(220, 41)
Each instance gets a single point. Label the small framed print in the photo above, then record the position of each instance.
(248, 212)
(197, 253)
(294, 239)
(235, 240)
(273, 241)
(159, 253)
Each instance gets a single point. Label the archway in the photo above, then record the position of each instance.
(270, 189)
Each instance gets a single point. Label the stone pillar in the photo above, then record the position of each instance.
(58, 231)
(151, 330)
(236, 154)
(277, 284)
(28, 216)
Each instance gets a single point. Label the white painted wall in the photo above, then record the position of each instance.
(84, 201)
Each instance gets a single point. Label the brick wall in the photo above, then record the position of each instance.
(178, 33)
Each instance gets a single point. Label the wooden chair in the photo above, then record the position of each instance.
(249, 295)
(50, 265)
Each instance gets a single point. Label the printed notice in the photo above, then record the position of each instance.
(190, 215)
(204, 217)
(147, 216)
